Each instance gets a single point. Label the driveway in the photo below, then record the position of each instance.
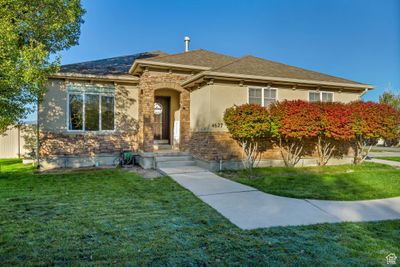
(248, 208)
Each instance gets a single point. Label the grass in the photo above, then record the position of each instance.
(14, 165)
(344, 182)
(113, 217)
(389, 158)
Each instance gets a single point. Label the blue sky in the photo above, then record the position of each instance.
(354, 39)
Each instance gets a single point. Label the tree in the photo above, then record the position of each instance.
(371, 121)
(31, 34)
(294, 124)
(390, 120)
(390, 98)
(249, 125)
(335, 128)
(29, 136)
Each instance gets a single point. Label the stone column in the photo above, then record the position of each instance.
(185, 120)
(148, 119)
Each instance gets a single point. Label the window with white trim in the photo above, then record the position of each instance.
(262, 96)
(316, 96)
(90, 112)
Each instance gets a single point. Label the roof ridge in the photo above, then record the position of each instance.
(181, 53)
(233, 61)
(188, 52)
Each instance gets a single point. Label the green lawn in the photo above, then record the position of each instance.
(344, 182)
(389, 158)
(113, 217)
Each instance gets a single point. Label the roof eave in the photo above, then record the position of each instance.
(108, 77)
(231, 76)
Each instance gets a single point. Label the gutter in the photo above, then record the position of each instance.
(111, 78)
(269, 79)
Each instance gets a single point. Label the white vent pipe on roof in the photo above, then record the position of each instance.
(186, 40)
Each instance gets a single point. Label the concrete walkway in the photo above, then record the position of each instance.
(249, 208)
(386, 162)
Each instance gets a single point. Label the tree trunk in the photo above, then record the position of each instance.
(291, 152)
(325, 150)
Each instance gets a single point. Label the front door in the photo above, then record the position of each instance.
(161, 118)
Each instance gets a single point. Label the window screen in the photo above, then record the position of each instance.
(75, 112)
(255, 96)
(269, 96)
(107, 113)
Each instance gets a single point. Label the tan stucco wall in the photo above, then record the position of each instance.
(127, 107)
(53, 109)
(200, 109)
(209, 102)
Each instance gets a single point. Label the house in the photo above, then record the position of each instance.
(153, 102)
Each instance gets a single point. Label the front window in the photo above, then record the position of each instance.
(269, 96)
(107, 112)
(90, 112)
(255, 96)
(316, 96)
(326, 97)
(75, 112)
(262, 96)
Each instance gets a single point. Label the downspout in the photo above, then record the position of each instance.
(364, 92)
(19, 141)
(37, 134)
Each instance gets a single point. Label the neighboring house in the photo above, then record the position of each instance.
(154, 101)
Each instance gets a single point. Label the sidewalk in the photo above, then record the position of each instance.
(248, 208)
(387, 162)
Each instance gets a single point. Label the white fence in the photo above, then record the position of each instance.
(12, 142)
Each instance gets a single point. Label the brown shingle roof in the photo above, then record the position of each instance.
(250, 65)
(200, 57)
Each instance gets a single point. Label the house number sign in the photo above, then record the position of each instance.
(158, 108)
(217, 125)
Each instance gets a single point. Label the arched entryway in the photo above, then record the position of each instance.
(177, 127)
(166, 123)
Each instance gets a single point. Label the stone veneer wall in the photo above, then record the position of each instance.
(220, 146)
(149, 82)
(90, 144)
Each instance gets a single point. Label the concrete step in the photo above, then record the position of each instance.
(157, 142)
(170, 153)
(174, 164)
(162, 147)
(173, 158)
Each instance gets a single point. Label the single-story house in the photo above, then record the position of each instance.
(155, 103)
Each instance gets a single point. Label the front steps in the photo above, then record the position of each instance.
(162, 147)
(173, 159)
